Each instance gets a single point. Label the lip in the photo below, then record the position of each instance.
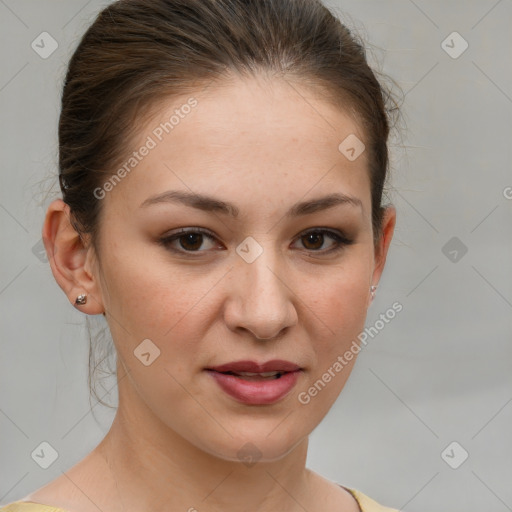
(276, 365)
(256, 392)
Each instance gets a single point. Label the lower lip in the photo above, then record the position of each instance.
(256, 392)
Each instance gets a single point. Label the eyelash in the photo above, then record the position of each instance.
(339, 238)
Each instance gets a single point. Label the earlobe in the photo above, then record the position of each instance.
(68, 258)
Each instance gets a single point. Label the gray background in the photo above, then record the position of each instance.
(439, 372)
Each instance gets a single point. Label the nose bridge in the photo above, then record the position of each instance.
(264, 302)
(263, 281)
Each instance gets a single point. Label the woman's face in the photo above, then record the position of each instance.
(268, 269)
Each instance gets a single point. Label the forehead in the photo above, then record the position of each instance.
(258, 134)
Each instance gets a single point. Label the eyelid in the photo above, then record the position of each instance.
(175, 235)
(334, 232)
(339, 236)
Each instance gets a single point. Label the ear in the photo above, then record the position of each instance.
(381, 248)
(72, 262)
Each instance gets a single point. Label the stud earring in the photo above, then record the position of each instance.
(373, 289)
(81, 299)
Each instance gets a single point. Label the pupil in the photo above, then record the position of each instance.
(314, 236)
(190, 238)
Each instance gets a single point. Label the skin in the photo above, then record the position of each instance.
(264, 146)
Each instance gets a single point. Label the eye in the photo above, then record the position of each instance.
(314, 239)
(190, 240)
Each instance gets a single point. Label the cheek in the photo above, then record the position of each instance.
(151, 298)
(337, 312)
(340, 299)
(337, 309)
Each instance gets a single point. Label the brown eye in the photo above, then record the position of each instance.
(315, 239)
(190, 241)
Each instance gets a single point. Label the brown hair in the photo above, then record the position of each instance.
(138, 52)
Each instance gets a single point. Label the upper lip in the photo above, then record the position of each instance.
(275, 365)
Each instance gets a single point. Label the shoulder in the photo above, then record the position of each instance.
(348, 498)
(29, 506)
(366, 503)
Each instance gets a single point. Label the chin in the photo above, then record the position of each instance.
(250, 446)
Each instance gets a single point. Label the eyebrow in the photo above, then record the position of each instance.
(212, 204)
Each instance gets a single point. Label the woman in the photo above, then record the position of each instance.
(222, 164)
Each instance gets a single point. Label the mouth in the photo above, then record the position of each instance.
(256, 383)
(250, 376)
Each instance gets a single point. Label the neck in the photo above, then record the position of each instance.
(154, 468)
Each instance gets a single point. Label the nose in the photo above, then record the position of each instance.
(260, 299)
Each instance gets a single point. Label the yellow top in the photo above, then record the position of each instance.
(366, 504)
